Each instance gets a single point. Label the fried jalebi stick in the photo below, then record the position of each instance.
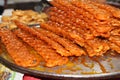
(102, 28)
(66, 22)
(79, 22)
(63, 18)
(69, 45)
(91, 50)
(114, 11)
(114, 46)
(64, 31)
(58, 6)
(80, 25)
(70, 7)
(17, 50)
(98, 13)
(80, 11)
(83, 13)
(114, 22)
(115, 39)
(62, 51)
(71, 12)
(69, 17)
(97, 47)
(115, 32)
(76, 28)
(51, 57)
(87, 47)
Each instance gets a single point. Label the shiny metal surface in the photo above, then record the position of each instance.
(77, 68)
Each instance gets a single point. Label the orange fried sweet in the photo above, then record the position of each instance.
(17, 50)
(51, 57)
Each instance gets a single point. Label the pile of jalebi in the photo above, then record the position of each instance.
(74, 28)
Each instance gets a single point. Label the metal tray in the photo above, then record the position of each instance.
(78, 68)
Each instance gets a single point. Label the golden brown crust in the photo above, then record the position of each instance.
(51, 57)
(17, 50)
(114, 47)
(74, 28)
(66, 43)
(98, 47)
(71, 15)
(64, 31)
(61, 50)
(115, 39)
(94, 24)
(114, 11)
(98, 13)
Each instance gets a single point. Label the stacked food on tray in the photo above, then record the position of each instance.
(68, 28)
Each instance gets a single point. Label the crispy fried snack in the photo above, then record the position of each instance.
(88, 21)
(115, 32)
(74, 28)
(115, 39)
(114, 11)
(97, 47)
(98, 13)
(51, 57)
(25, 16)
(60, 49)
(65, 32)
(69, 45)
(114, 47)
(81, 18)
(78, 23)
(94, 47)
(17, 50)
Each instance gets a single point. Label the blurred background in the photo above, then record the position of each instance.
(35, 4)
(18, 4)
